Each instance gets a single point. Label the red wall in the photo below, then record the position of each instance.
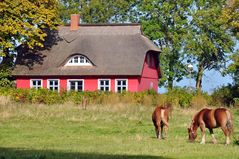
(23, 83)
(148, 79)
(90, 83)
(149, 73)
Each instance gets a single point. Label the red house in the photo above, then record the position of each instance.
(107, 57)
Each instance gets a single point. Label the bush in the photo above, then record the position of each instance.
(44, 96)
(180, 97)
(198, 101)
(5, 91)
(236, 102)
(49, 97)
(226, 95)
(5, 77)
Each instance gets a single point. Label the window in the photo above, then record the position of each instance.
(75, 85)
(53, 84)
(36, 83)
(153, 61)
(121, 85)
(104, 84)
(78, 60)
(148, 60)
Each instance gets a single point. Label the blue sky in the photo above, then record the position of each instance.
(211, 80)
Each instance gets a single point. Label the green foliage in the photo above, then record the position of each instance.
(97, 11)
(199, 101)
(5, 75)
(230, 15)
(236, 102)
(44, 96)
(166, 23)
(225, 95)
(233, 68)
(236, 141)
(209, 41)
(24, 21)
(49, 97)
(5, 91)
(180, 97)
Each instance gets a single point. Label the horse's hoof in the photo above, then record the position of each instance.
(202, 143)
(159, 138)
(214, 142)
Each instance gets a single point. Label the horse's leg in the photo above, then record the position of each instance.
(165, 127)
(213, 137)
(156, 131)
(227, 134)
(159, 132)
(162, 128)
(202, 127)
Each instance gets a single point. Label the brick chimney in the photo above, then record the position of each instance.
(75, 21)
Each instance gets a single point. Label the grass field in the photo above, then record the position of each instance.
(117, 131)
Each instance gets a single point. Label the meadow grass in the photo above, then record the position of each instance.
(102, 131)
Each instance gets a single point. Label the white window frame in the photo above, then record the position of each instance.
(116, 84)
(31, 83)
(102, 79)
(69, 80)
(71, 61)
(48, 84)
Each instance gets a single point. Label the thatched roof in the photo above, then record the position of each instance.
(113, 50)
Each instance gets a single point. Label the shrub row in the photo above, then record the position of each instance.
(49, 97)
(179, 97)
(227, 95)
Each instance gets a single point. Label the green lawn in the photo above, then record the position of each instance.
(119, 131)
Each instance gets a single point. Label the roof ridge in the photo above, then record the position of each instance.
(105, 24)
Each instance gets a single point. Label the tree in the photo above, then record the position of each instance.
(24, 22)
(230, 14)
(210, 42)
(97, 11)
(166, 23)
(233, 68)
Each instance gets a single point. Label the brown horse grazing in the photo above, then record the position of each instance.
(211, 118)
(160, 119)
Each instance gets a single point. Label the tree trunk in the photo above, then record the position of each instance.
(7, 60)
(170, 83)
(171, 75)
(199, 77)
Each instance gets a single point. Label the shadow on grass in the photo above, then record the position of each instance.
(18, 153)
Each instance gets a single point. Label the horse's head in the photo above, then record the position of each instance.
(192, 133)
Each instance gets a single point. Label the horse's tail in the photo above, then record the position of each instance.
(169, 107)
(164, 117)
(229, 123)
